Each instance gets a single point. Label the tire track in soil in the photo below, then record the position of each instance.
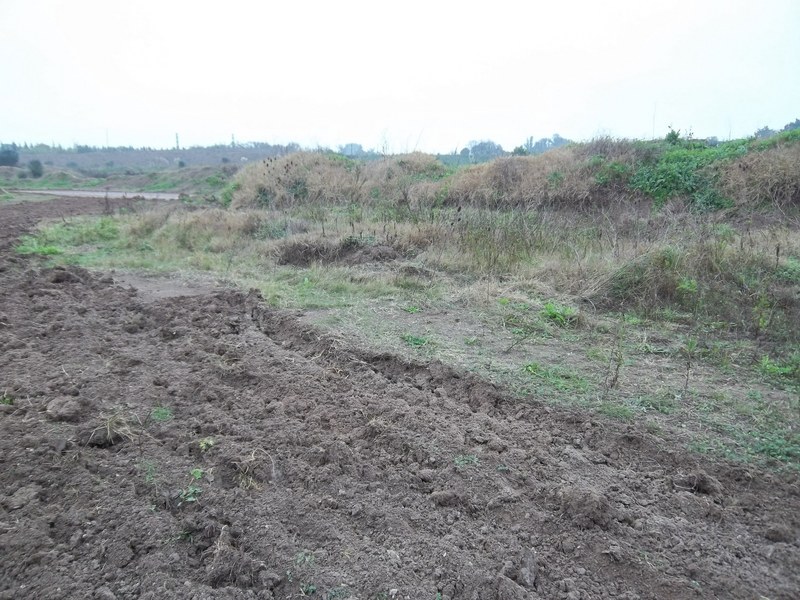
(354, 474)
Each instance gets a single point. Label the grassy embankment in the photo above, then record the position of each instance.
(649, 281)
(196, 182)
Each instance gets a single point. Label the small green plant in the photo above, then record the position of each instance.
(304, 557)
(414, 341)
(184, 536)
(465, 460)
(338, 593)
(7, 400)
(149, 468)
(563, 316)
(190, 494)
(161, 413)
(412, 309)
(197, 473)
(308, 589)
(206, 444)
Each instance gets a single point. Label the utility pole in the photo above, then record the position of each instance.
(177, 143)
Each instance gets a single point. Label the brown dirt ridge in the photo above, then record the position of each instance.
(208, 446)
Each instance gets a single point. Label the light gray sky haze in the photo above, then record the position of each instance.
(400, 76)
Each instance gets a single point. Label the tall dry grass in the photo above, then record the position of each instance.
(308, 178)
(568, 221)
(769, 177)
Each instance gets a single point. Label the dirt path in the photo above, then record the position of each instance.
(206, 446)
(102, 194)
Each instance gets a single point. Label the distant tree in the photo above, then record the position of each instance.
(519, 151)
(351, 150)
(545, 144)
(558, 141)
(485, 151)
(764, 133)
(792, 126)
(9, 157)
(673, 136)
(529, 145)
(36, 168)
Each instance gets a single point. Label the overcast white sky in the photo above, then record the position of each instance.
(427, 75)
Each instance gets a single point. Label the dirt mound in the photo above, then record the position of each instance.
(349, 251)
(208, 446)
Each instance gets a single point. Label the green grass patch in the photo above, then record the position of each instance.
(415, 341)
(663, 402)
(33, 245)
(616, 411)
(557, 378)
(160, 414)
(563, 316)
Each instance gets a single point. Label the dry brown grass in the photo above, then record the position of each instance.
(767, 177)
(308, 178)
(556, 178)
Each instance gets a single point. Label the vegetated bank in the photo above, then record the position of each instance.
(676, 228)
(653, 281)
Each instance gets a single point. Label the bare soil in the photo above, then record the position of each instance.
(204, 445)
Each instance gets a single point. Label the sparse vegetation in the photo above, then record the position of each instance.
(561, 248)
(466, 460)
(206, 444)
(190, 494)
(161, 413)
(415, 341)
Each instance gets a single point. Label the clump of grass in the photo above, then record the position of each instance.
(562, 316)
(206, 444)
(415, 341)
(161, 414)
(785, 370)
(616, 411)
(661, 401)
(34, 245)
(557, 378)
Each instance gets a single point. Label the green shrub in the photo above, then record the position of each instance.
(36, 168)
